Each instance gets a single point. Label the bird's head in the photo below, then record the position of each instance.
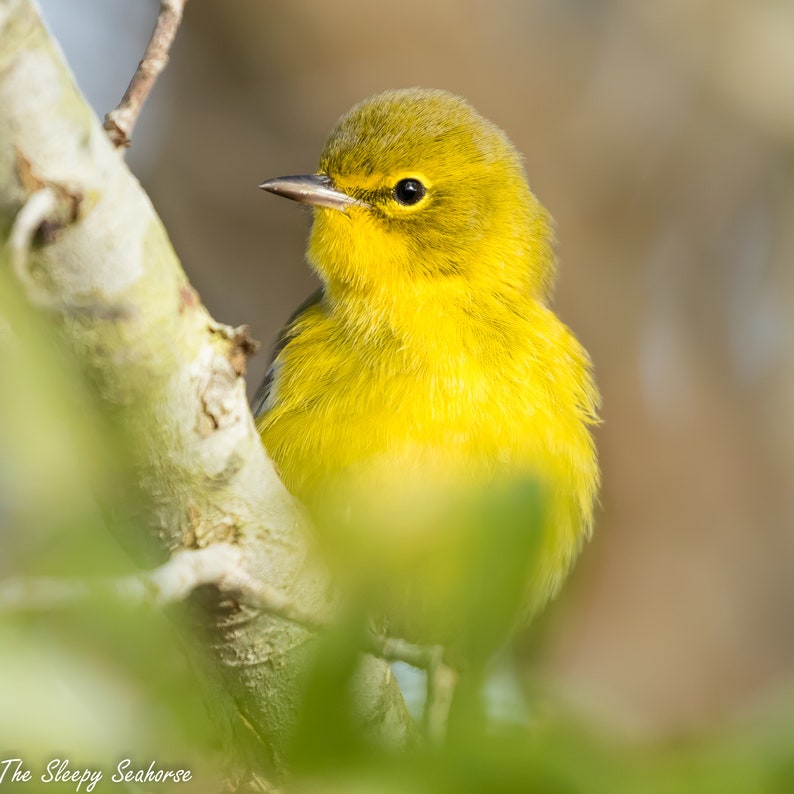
(413, 186)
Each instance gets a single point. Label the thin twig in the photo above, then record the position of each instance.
(120, 122)
(442, 680)
(441, 683)
(171, 582)
(221, 565)
(394, 649)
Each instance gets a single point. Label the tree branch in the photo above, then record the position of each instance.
(174, 378)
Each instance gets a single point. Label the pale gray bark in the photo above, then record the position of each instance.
(174, 376)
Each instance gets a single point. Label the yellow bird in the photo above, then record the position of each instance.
(430, 356)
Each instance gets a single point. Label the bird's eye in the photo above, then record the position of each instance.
(409, 191)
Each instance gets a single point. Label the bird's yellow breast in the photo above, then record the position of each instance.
(439, 397)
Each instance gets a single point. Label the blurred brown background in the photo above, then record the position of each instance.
(660, 136)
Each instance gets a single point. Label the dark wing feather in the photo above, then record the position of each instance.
(287, 333)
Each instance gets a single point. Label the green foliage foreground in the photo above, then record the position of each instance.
(97, 683)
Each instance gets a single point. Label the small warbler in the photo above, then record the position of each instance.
(430, 357)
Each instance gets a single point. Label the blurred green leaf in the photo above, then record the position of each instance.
(326, 733)
(94, 679)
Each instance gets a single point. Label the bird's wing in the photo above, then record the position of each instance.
(287, 333)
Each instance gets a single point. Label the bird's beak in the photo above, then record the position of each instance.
(315, 189)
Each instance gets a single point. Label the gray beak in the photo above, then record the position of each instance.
(315, 189)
